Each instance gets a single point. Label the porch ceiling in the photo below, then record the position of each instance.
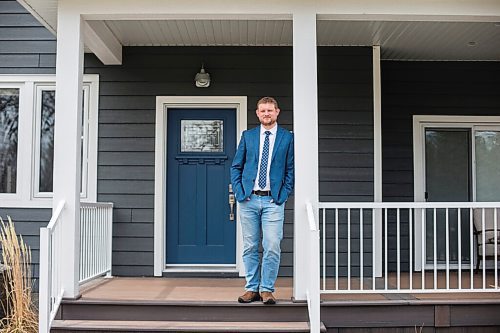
(442, 30)
(416, 40)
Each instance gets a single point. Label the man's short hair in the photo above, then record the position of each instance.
(267, 99)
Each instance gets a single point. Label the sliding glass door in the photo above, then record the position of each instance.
(462, 163)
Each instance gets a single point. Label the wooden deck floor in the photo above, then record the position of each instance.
(228, 290)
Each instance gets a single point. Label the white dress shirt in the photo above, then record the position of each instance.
(272, 138)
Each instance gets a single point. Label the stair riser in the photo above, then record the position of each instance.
(163, 330)
(182, 313)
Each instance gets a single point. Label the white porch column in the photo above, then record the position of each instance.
(305, 128)
(67, 136)
(377, 162)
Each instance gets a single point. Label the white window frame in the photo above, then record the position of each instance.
(420, 123)
(39, 88)
(28, 158)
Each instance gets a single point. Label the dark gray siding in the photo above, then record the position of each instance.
(26, 47)
(345, 123)
(345, 91)
(28, 223)
(426, 88)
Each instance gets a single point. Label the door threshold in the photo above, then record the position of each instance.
(229, 271)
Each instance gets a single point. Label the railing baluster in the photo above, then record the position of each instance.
(374, 212)
(447, 250)
(435, 249)
(361, 248)
(495, 238)
(459, 229)
(386, 263)
(348, 249)
(471, 243)
(324, 248)
(423, 254)
(336, 249)
(398, 248)
(410, 227)
(483, 243)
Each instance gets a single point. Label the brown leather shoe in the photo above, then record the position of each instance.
(249, 297)
(268, 298)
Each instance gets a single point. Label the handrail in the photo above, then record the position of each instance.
(310, 217)
(50, 287)
(346, 205)
(55, 216)
(96, 204)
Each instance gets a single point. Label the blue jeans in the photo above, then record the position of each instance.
(256, 215)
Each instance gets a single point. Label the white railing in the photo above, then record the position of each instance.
(96, 220)
(50, 287)
(313, 295)
(418, 247)
(96, 233)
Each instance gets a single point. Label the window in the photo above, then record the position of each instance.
(27, 119)
(9, 120)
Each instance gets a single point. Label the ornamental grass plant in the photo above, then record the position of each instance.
(21, 315)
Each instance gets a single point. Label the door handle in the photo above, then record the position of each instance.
(232, 202)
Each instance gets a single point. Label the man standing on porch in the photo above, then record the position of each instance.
(262, 178)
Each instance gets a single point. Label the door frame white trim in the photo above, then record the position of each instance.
(420, 122)
(163, 104)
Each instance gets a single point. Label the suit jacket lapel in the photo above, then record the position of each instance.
(279, 136)
(256, 141)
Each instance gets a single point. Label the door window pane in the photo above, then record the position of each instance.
(9, 119)
(487, 165)
(202, 136)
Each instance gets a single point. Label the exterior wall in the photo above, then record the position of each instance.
(26, 47)
(426, 88)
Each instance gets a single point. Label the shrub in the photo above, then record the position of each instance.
(20, 312)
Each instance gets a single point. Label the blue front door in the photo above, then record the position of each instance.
(200, 148)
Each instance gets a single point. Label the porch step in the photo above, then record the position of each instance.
(177, 326)
(189, 311)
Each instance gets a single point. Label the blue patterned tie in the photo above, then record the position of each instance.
(263, 161)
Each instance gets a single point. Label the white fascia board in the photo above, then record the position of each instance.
(28, 5)
(102, 42)
(398, 10)
(409, 18)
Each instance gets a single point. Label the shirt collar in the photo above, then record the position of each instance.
(272, 130)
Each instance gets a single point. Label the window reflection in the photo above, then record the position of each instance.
(47, 125)
(202, 136)
(47, 140)
(9, 120)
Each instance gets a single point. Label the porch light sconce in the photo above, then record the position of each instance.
(202, 79)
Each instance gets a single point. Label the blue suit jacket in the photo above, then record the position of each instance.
(245, 164)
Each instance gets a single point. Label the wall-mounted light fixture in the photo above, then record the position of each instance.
(202, 79)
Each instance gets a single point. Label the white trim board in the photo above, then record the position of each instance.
(420, 122)
(163, 103)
